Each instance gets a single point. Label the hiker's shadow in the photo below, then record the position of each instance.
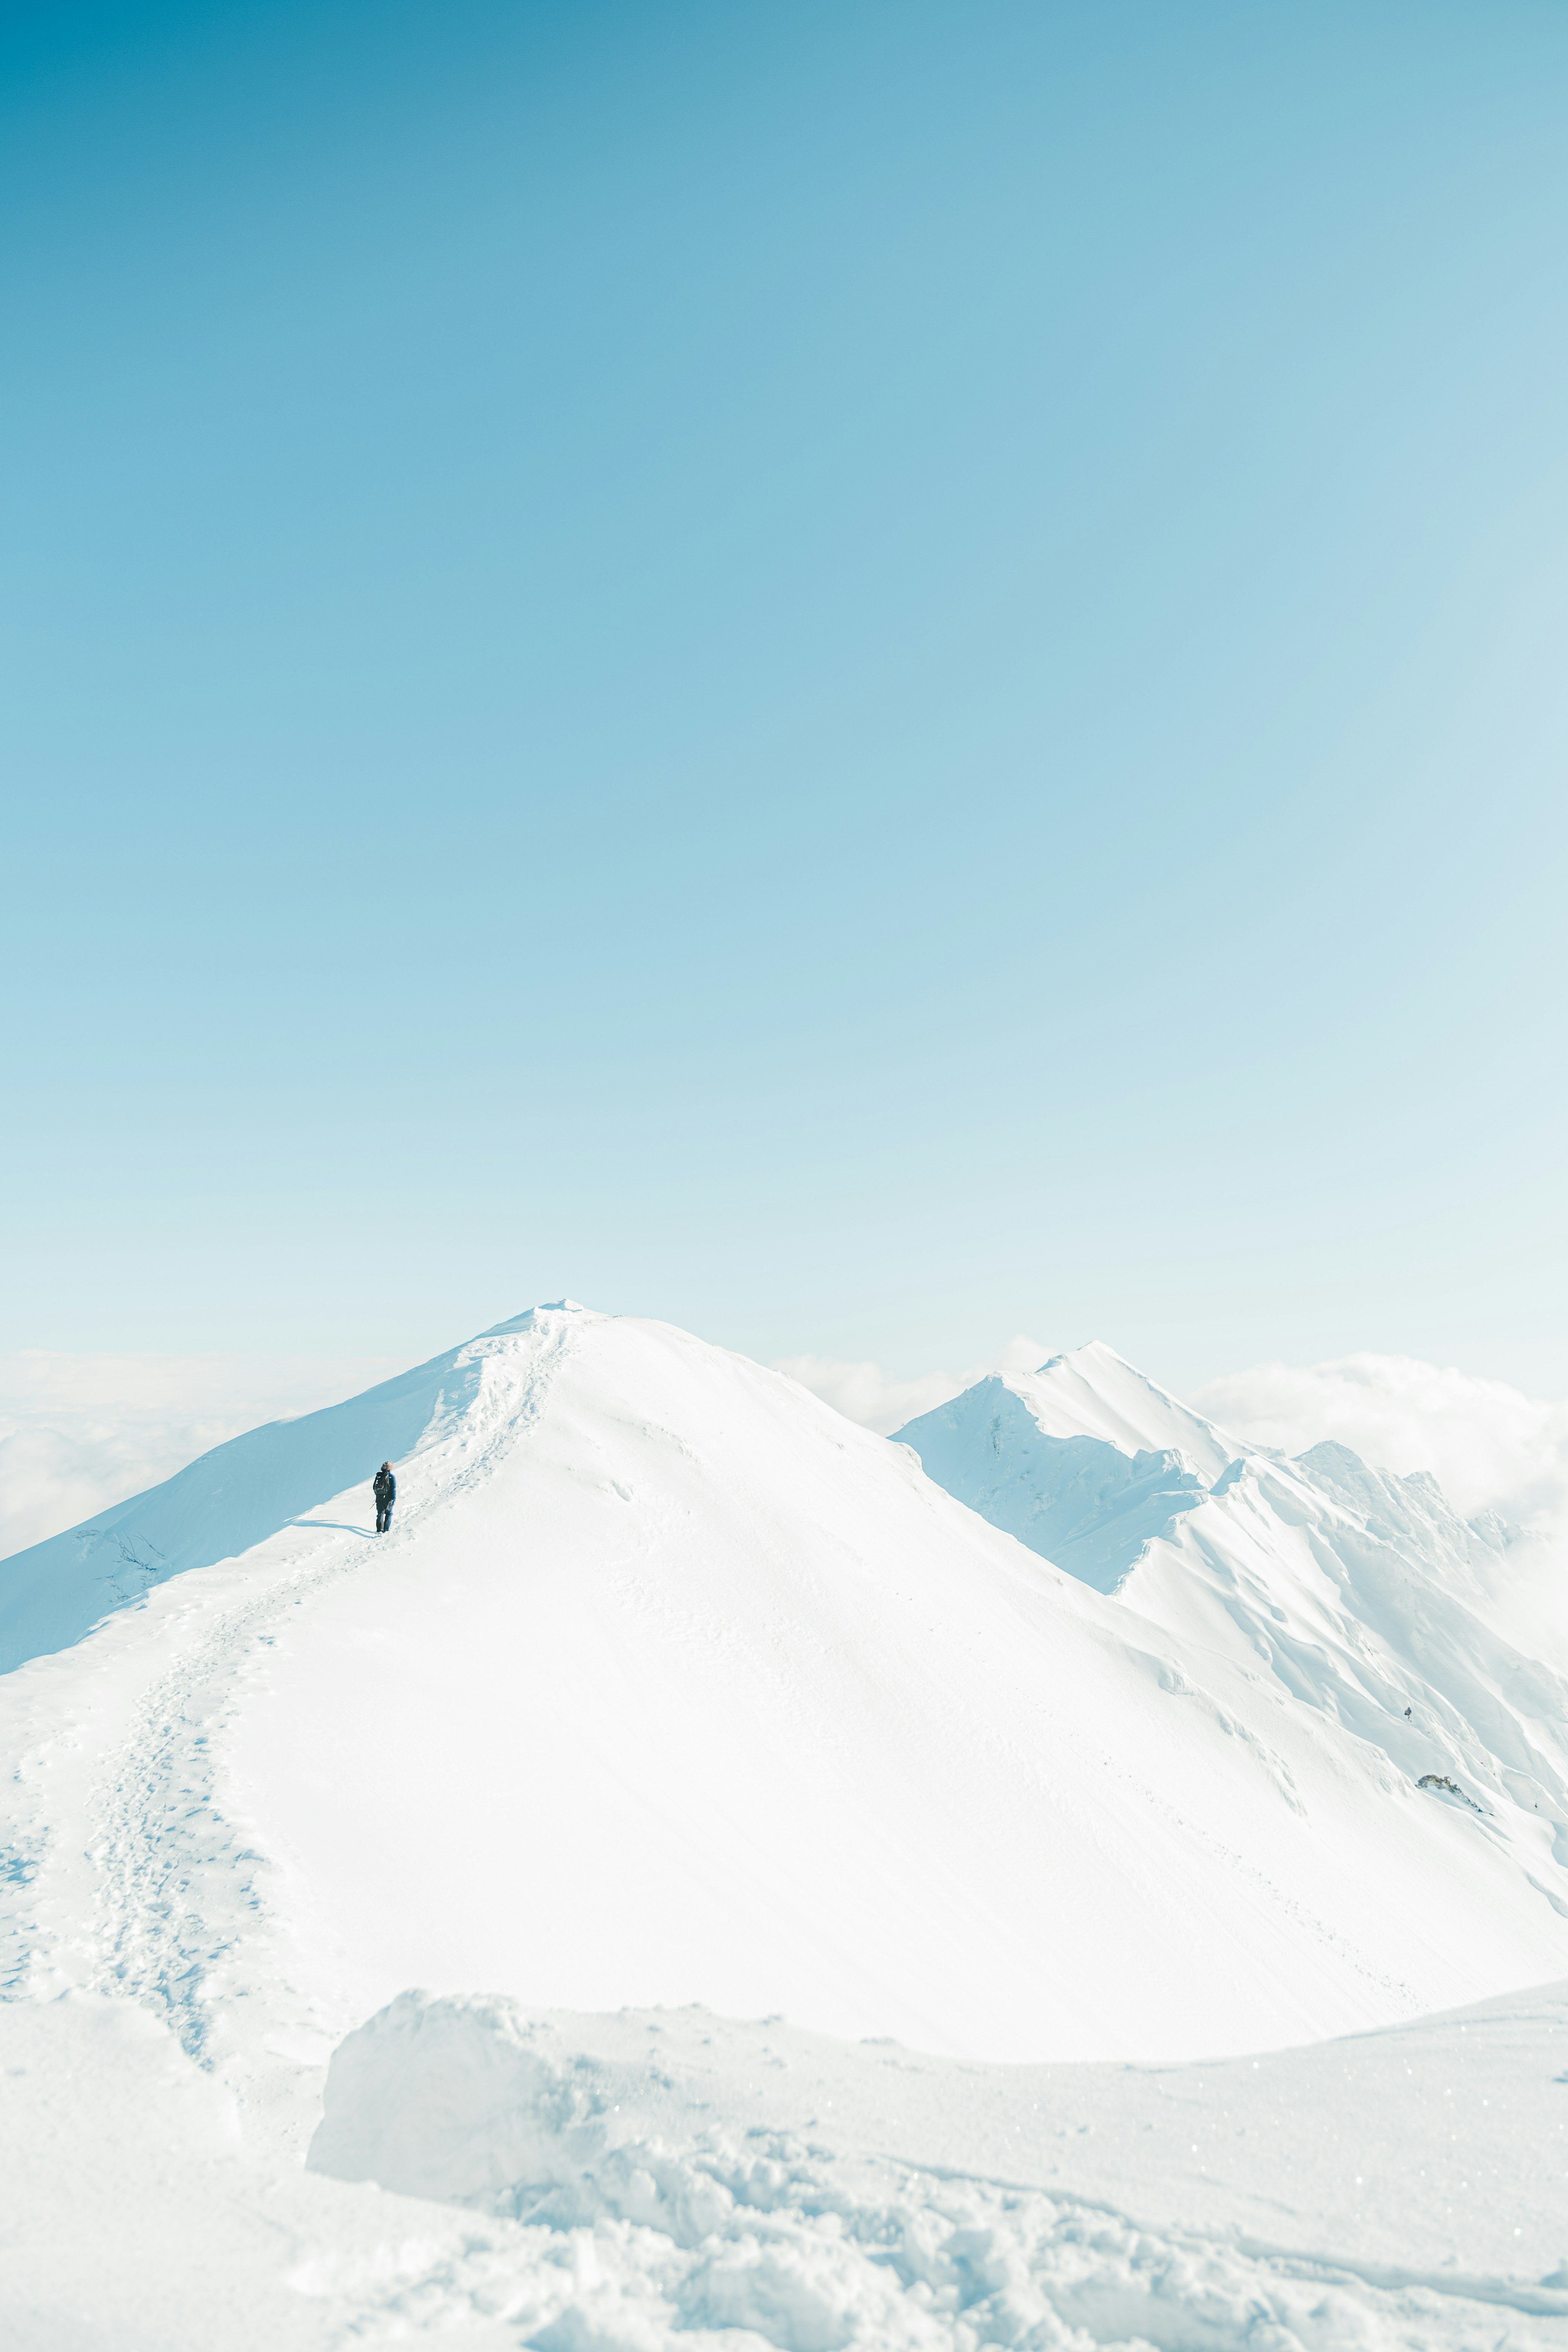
(342, 1526)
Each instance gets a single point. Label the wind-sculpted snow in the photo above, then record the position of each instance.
(1358, 1595)
(675, 2176)
(488, 2177)
(1410, 1511)
(1078, 1501)
(1093, 1393)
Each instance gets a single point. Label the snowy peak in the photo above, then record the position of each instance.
(1085, 1460)
(1094, 1393)
(1081, 1501)
(1355, 1593)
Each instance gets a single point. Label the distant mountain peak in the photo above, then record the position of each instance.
(1355, 1591)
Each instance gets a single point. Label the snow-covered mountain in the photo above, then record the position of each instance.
(1343, 1590)
(671, 1685)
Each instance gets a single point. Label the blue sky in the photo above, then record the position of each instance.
(862, 674)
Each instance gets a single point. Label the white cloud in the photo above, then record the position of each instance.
(865, 1393)
(80, 1432)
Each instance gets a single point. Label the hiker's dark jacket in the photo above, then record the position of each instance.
(386, 1489)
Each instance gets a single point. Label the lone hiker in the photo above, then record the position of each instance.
(385, 1495)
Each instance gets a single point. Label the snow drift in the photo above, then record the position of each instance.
(750, 2175)
(649, 2179)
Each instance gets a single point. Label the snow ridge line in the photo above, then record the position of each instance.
(181, 1890)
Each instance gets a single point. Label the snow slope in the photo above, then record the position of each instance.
(1400, 2144)
(222, 1504)
(670, 1686)
(673, 2179)
(1346, 1590)
(954, 2194)
(1094, 1393)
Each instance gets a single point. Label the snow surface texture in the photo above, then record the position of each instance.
(1349, 1590)
(610, 2184)
(751, 2176)
(482, 2102)
(670, 1686)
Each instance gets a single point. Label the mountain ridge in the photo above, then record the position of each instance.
(670, 1684)
(1355, 1591)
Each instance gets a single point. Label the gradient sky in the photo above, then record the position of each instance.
(862, 674)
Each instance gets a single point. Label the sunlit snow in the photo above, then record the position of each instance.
(722, 1884)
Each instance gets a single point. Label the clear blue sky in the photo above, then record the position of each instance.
(863, 675)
